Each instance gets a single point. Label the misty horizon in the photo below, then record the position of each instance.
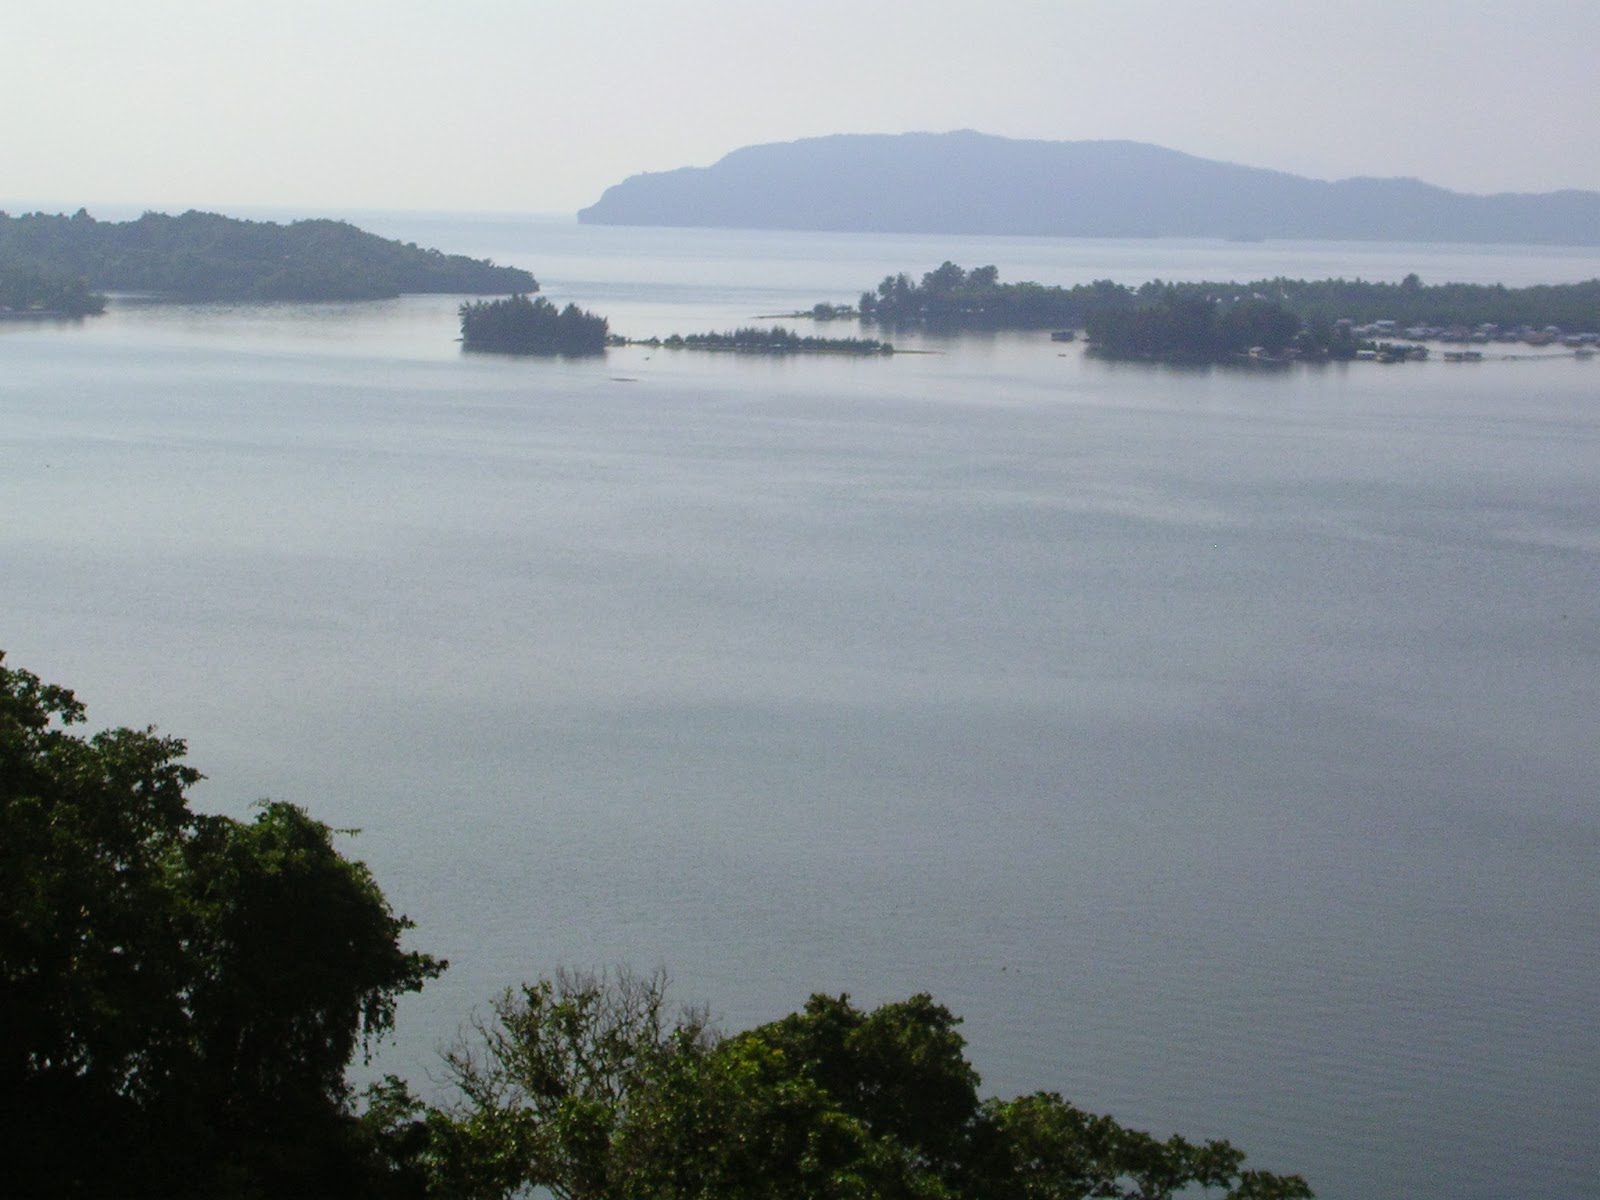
(367, 106)
(125, 208)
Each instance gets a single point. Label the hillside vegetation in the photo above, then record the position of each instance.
(205, 256)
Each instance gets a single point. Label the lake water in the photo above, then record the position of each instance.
(1222, 744)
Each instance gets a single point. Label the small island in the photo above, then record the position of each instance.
(205, 256)
(521, 325)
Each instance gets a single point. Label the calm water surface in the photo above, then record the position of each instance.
(1221, 744)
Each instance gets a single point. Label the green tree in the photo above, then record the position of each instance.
(183, 990)
(583, 1087)
(548, 1077)
(1040, 1147)
(900, 1070)
(947, 277)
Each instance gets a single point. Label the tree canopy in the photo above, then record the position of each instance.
(181, 991)
(584, 1085)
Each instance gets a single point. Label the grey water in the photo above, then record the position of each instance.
(1221, 744)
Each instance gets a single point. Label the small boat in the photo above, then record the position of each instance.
(1463, 356)
(1063, 335)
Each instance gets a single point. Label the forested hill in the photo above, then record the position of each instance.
(204, 256)
(973, 183)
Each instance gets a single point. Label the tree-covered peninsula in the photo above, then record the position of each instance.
(953, 298)
(754, 339)
(206, 256)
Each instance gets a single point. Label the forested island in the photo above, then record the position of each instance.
(187, 990)
(520, 325)
(206, 256)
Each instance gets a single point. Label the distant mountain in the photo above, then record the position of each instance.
(974, 183)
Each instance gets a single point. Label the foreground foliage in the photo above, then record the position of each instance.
(584, 1085)
(519, 325)
(206, 256)
(180, 994)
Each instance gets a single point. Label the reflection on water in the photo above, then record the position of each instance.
(1221, 744)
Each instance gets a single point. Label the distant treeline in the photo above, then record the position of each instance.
(204, 256)
(953, 298)
(776, 340)
(28, 291)
(519, 325)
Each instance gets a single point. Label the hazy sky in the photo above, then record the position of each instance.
(537, 107)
